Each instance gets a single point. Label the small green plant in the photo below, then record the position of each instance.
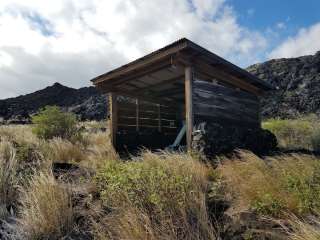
(267, 204)
(53, 122)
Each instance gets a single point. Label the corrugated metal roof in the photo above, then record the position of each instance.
(174, 48)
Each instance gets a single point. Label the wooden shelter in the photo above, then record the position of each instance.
(181, 84)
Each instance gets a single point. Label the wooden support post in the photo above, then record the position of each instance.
(137, 115)
(159, 117)
(189, 104)
(113, 108)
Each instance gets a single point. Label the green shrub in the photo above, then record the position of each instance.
(273, 186)
(158, 196)
(148, 185)
(52, 122)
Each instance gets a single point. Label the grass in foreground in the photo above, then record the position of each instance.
(153, 196)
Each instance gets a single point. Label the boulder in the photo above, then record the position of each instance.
(210, 139)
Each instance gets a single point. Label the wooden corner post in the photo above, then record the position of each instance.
(189, 104)
(113, 111)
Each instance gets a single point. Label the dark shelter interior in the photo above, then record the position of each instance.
(155, 117)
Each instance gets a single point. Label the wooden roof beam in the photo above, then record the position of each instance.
(109, 85)
(222, 76)
(151, 99)
(168, 81)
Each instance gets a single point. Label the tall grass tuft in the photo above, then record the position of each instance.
(8, 180)
(62, 150)
(46, 209)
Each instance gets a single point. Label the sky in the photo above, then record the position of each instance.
(72, 41)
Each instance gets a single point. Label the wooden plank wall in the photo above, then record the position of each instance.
(225, 104)
(140, 116)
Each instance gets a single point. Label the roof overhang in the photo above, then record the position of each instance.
(165, 65)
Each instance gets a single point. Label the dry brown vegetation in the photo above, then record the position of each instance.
(153, 196)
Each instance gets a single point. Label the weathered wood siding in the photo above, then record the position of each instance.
(225, 104)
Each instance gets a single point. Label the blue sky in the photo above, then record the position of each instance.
(283, 17)
(262, 14)
(72, 41)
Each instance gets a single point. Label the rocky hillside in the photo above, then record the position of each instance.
(297, 81)
(298, 86)
(86, 102)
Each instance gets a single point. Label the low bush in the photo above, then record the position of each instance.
(158, 196)
(276, 185)
(52, 122)
(291, 134)
(303, 132)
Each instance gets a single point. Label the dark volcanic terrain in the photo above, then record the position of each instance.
(298, 86)
(86, 102)
(297, 81)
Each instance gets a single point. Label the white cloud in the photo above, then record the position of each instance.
(306, 42)
(71, 41)
(281, 25)
(207, 9)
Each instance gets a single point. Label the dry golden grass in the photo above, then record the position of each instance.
(99, 150)
(46, 209)
(20, 134)
(303, 230)
(63, 151)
